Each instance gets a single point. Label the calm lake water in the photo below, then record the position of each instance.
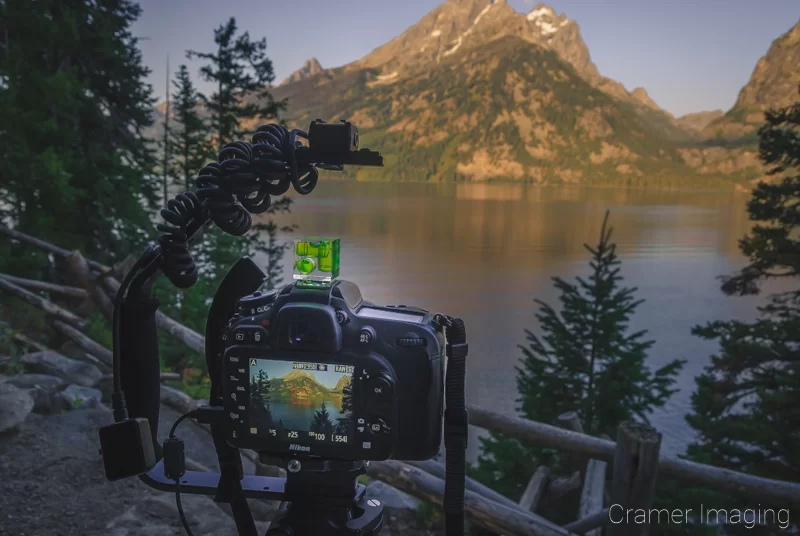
(485, 251)
(299, 417)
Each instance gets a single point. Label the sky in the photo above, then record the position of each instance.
(690, 55)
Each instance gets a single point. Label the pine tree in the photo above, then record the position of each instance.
(343, 422)
(321, 421)
(347, 398)
(260, 399)
(745, 404)
(585, 360)
(242, 72)
(166, 166)
(77, 171)
(188, 138)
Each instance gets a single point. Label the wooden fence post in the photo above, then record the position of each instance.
(570, 421)
(535, 490)
(633, 483)
(594, 475)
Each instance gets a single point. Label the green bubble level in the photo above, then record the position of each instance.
(316, 260)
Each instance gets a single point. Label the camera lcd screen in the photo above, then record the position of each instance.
(301, 402)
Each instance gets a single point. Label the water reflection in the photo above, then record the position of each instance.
(484, 251)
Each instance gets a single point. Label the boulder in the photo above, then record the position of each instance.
(29, 381)
(15, 406)
(79, 397)
(72, 370)
(43, 388)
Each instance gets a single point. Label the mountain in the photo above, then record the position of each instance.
(460, 25)
(773, 84)
(310, 68)
(476, 91)
(699, 120)
(343, 382)
(298, 379)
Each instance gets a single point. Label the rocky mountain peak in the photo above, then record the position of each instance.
(545, 19)
(460, 25)
(309, 69)
(773, 84)
(776, 76)
(641, 95)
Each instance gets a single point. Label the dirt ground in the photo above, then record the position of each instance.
(52, 484)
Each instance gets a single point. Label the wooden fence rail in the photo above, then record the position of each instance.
(715, 478)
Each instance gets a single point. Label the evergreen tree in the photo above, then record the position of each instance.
(321, 422)
(745, 404)
(773, 244)
(189, 138)
(260, 399)
(77, 171)
(166, 166)
(343, 422)
(585, 360)
(347, 398)
(241, 72)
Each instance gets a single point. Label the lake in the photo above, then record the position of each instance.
(483, 252)
(299, 417)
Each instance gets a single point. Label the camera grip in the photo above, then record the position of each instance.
(139, 364)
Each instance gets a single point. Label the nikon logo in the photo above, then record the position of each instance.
(301, 448)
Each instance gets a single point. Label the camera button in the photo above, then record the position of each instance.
(250, 335)
(366, 335)
(379, 391)
(377, 426)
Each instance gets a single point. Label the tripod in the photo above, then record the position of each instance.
(324, 499)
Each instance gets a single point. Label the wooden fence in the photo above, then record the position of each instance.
(632, 461)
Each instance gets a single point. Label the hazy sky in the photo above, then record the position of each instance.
(690, 55)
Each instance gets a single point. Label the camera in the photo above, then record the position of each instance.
(318, 371)
(313, 378)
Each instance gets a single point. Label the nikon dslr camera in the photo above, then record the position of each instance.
(314, 370)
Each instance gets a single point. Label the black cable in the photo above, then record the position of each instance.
(237, 185)
(179, 421)
(179, 469)
(181, 514)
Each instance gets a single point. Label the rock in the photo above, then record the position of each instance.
(77, 372)
(79, 397)
(45, 402)
(391, 497)
(15, 406)
(71, 350)
(28, 381)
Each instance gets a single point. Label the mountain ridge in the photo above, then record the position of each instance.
(541, 121)
(772, 84)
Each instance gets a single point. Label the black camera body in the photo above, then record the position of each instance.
(319, 372)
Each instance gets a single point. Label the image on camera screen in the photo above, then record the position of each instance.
(295, 400)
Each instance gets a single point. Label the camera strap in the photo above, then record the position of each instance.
(455, 425)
